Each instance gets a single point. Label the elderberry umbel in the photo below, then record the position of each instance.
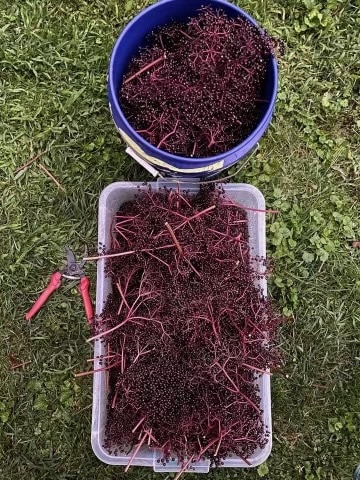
(198, 89)
(187, 329)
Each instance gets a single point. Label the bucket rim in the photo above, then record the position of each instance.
(171, 158)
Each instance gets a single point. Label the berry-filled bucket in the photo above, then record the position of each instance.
(127, 46)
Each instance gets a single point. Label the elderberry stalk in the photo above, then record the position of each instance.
(197, 89)
(187, 329)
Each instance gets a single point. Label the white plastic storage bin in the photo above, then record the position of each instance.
(110, 200)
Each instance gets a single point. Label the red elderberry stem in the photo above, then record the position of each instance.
(113, 403)
(193, 150)
(250, 402)
(91, 372)
(171, 211)
(193, 268)
(197, 215)
(185, 466)
(138, 425)
(234, 239)
(128, 218)
(123, 254)
(136, 451)
(123, 341)
(244, 68)
(256, 369)
(245, 439)
(218, 445)
(210, 444)
(185, 34)
(230, 203)
(144, 69)
(173, 236)
(245, 460)
(168, 135)
(236, 388)
(151, 437)
(122, 294)
(141, 351)
(127, 320)
(102, 357)
(159, 260)
(118, 230)
(113, 255)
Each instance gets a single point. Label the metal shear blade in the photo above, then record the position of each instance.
(74, 269)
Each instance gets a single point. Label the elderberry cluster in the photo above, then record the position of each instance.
(187, 328)
(198, 89)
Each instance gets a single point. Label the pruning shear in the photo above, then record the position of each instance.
(72, 271)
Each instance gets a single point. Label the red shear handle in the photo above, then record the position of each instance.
(84, 287)
(54, 284)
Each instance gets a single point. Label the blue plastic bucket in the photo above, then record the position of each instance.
(127, 45)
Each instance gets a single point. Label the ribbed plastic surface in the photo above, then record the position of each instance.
(110, 200)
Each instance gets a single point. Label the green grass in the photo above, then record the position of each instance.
(53, 63)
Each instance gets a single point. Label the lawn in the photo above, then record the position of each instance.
(53, 62)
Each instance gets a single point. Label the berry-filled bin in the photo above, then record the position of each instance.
(110, 200)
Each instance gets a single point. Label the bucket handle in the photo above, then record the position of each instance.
(156, 173)
(243, 165)
(217, 180)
